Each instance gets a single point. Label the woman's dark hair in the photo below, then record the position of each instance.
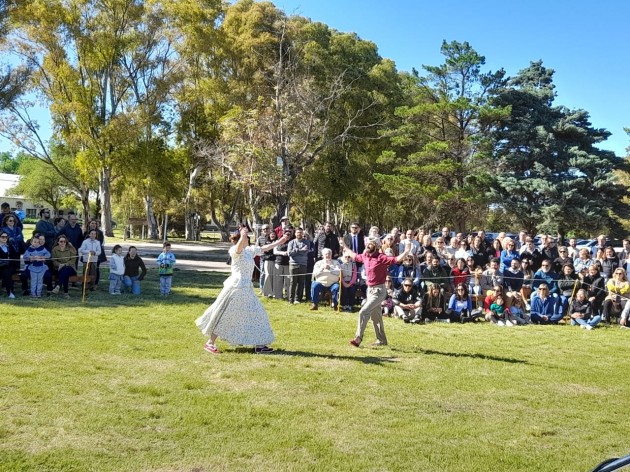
(465, 295)
(234, 237)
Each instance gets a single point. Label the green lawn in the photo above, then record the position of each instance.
(122, 384)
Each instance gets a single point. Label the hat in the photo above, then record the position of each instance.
(284, 218)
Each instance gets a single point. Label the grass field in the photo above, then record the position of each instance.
(122, 384)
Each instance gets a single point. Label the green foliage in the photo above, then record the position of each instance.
(551, 176)
(143, 389)
(40, 182)
(10, 164)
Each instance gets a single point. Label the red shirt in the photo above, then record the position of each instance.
(375, 267)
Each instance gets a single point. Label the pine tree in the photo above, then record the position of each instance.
(550, 174)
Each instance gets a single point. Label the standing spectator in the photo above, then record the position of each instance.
(59, 224)
(568, 283)
(410, 238)
(546, 275)
(446, 235)
(36, 256)
(354, 239)
(135, 270)
(298, 258)
(513, 281)
(491, 277)
(64, 258)
(116, 270)
(16, 240)
(281, 268)
(266, 259)
(45, 227)
(595, 285)
(284, 225)
(531, 252)
(437, 275)
(90, 251)
(72, 230)
(19, 212)
(166, 262)
(609, 263)
(562, 259)
(572, 250)
(327, 239)
(101, 257)
(5, 210)
(348, 281)
(310, 265)
(508, 254)
(6, 268)
(376, 271)
(602, 243)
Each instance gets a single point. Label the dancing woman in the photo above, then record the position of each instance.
(237, 315)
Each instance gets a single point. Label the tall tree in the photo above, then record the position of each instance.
(440, 149)
(550, 173)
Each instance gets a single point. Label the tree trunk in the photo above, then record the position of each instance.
(106, 201)
(151, 220)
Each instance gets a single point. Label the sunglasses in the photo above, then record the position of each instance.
(406, 285)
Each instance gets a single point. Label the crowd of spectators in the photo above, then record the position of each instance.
(506, 281)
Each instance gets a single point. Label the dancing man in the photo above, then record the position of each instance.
(376, 265)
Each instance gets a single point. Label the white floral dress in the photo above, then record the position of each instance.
(237, 316)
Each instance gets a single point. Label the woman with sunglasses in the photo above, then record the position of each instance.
(6, 268)
(64, 257)
(618, 292)
(460, 306)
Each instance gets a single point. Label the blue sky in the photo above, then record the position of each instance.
(587, 43)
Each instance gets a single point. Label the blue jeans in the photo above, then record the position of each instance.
(132, 283)
(316, 291)
(592, 321)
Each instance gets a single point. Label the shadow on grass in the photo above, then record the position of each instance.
(363, 359)
(485, 357)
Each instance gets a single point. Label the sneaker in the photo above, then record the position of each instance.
(583, 326)
(356, 342)
(378, 344)
(313, 307)
(406, 319)
(55, 290)
(500, 323)
(297, 302)
(11, 296)
(509, 323)
(211, 348)
(263, 349)
(589, 327)
(417, 320)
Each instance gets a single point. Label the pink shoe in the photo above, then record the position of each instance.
(211, 348)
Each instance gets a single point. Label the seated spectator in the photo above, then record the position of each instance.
(491, 276)
(479, 252)
(387, 305)
(348, 281)
(16, 239)
(463, 252)
(135, 270)
(528, 279)
(508, 254)
(531, 252)
(549, 250)
(440, 248)
(562, 260)
(64, 257)
(499, 314)
(546, 275)
(90, 252)
(543, 306)
(581, 311)
(497, 249)
(583, 262)
(517, 313)
(491, 296)
(568, 283)
(460, 306)
(36, 255)
(513, 281)
(433, 306)
(595, 286)
(460, 274)
(437, 275)
(325, 277)
(624, 254)
(408, 303)
(452, 263)
(618, 293)
(453, 246)
(407, 269)
(387, 242)
(572, 250)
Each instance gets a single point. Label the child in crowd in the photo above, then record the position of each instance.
(36, 255)
(116, 270)
(498, 313)
(517, 313)
(387, 305)
(166, 262)
(348, 282)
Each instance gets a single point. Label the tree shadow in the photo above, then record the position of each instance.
(485, 357)
(371, 360)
